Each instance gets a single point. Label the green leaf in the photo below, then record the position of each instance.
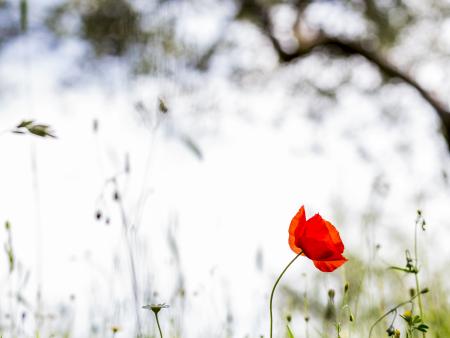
(401, 269)
(290, 334)
(41, 130)
(416, 319)
(422, 327)
(25, 123)
(193, 147)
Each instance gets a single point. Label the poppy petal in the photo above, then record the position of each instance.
(298, 221)
(292, 245)
(334, 235)
(316, 241)
(329, 266)
(296, 229)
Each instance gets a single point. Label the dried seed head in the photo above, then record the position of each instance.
(390, 331)
(155, 307)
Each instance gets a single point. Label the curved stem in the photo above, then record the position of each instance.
(159, 327)
(394, 309)
(273, 290)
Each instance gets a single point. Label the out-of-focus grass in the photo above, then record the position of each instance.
(371, 291)
(362, 293)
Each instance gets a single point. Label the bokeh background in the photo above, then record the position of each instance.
(188, 134)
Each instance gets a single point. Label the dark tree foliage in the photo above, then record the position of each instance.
(127, 29)
(9, 23)
(111, 27)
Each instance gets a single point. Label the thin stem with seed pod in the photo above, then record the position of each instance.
(394, 309)
(273, 291)
(416, 272)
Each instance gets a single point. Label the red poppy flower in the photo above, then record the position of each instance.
(318, 239)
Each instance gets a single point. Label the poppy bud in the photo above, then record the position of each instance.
(346, 287)
(331, 294)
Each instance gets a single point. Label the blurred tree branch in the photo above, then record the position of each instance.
(321, 40)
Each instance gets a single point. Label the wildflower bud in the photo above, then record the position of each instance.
(331, 294)
(407, 315)
(306, 319)
(289, 318)
(351, 317)
(412, 292)
(397, 333)
(419, 212)
(425, 290)
(98, 215)
(346, 287)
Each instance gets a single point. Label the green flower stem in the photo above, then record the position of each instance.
(159, 327)
(416, 275)
(273, 290)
